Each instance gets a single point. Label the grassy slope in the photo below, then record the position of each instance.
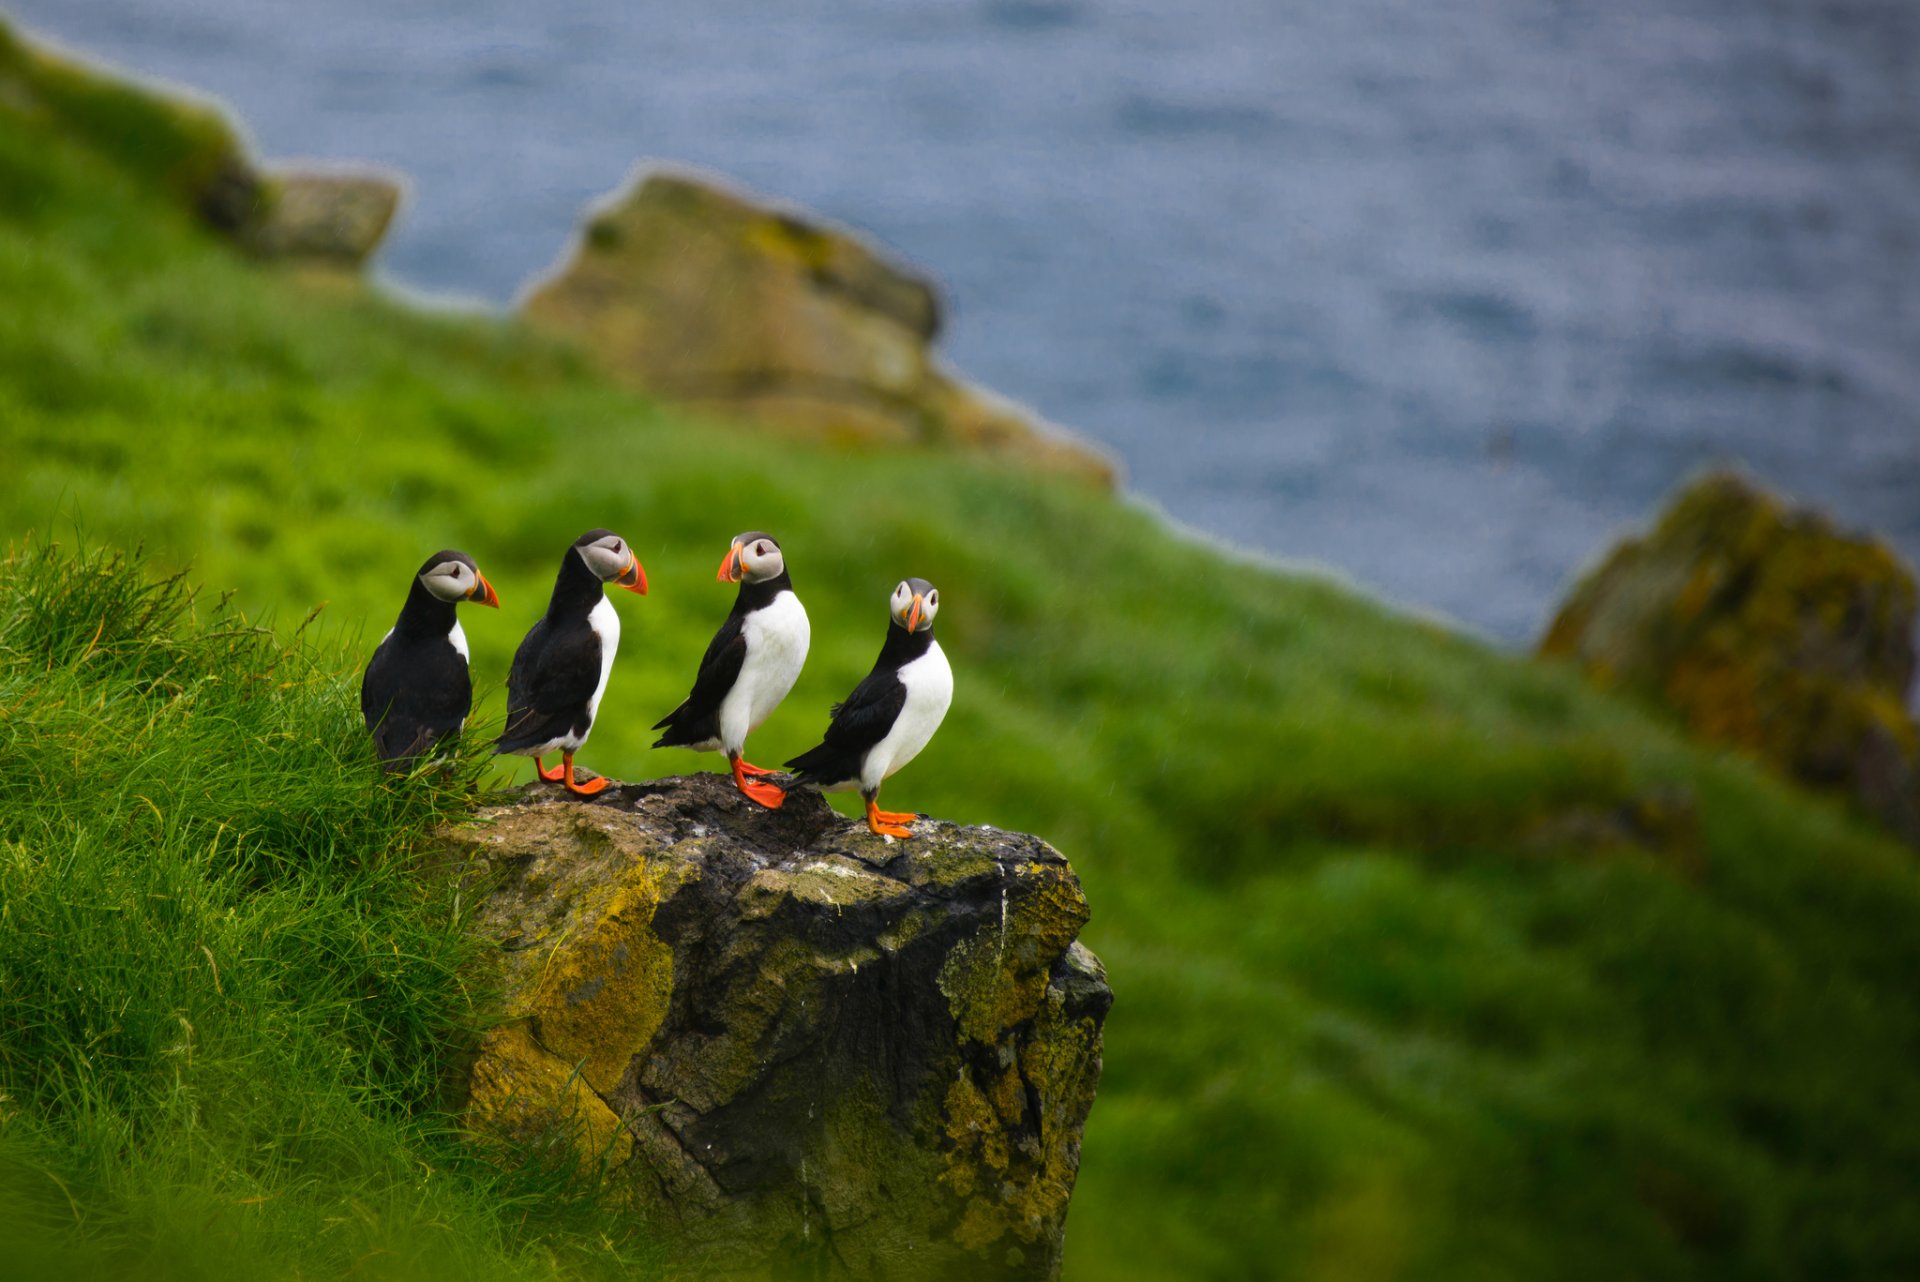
(1374, 1017)
(225, 993)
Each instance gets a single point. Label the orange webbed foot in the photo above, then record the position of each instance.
(895, 816)
(554, 775)
(596, 784)
(886, 823)
(765, 794)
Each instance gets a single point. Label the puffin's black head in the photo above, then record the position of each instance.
(452, 576)
(611, 560)
(755, 556)
(914, 604)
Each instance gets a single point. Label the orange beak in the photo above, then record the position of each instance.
(483, 593)
(730, 567)
(913, 614)
(633, 578)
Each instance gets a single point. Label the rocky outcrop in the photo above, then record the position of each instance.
(1763, 626)
(796, 1048)
(713, 299)
(189, 151)
(331, 218)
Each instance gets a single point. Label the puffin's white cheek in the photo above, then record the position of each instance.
(601, 561)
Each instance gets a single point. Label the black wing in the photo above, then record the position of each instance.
(413, 695)
(697, 719)
(859, 722)
(866, 715)
(377, 685)
(552, 678)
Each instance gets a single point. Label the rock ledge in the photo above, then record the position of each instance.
(798, 1049)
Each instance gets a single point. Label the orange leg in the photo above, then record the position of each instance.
(742, 766)
(554, 775)
(582, 789)
(888, 823)
(765, 793)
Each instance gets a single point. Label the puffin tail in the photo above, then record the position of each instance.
(684, 730)
(822, 765)
(525, 731)
(672, 737)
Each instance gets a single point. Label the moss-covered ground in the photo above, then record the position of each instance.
(1429, 962)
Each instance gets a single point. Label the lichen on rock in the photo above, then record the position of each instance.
(796, 1048)
(1763, 626)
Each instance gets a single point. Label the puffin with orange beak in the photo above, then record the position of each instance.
(416, 689)
(750, 665)
(560, 670)
(891, 715)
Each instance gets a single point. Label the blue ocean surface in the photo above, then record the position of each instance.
(1442, 296)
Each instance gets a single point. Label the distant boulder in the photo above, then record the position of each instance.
(713, 299)
(187, 149)
(325, 217)
(1763, 626)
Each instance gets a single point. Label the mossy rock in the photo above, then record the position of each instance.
(328, 218)
(799, 1050)
(1763, 626)
(722, 302)
(184, 148)
(190, 152)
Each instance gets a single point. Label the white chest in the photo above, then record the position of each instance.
(929, 683)
(777, 636)
(605, 622)
(458, 640)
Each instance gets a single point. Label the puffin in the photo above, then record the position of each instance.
(750, 665)
(891, 715)
(416, 689)
(561, 668)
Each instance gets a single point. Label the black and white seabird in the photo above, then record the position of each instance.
(561, 669)
(416, 689)
(751, 663)
(891, 715)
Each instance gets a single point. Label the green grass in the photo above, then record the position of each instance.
(1429, 962)
(227, 992)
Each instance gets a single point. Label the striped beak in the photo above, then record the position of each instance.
(633, 578)
(913, 612)
(482, 592)
(730, 567)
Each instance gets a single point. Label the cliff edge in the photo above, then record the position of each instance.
(797, 1048)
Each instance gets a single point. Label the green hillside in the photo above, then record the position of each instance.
(1429, 962)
